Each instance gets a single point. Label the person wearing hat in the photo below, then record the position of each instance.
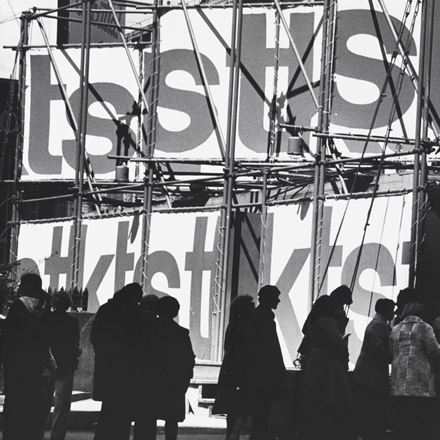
(270, 371)
(25, 349)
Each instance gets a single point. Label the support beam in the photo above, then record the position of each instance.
(414, 248)
(298, 56)
(220, 137)
(130, 59)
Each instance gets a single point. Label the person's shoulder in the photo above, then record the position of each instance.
(378, 321)
(72, 319)
(183, 330)
(326, 321)
(263, 313)
(16, 307)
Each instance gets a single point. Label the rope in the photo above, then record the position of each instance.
(377, 258)
(390, 66)
(398, 241)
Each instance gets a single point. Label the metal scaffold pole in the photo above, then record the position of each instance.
(221, 294)
(81, 145)
(425, 146)
(150, 141)
(318, 188)
(24, 40)
(418, 156)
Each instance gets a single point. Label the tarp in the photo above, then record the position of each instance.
(183, 252)
(186, 127)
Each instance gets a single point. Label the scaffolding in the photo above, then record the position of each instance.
(228, 181)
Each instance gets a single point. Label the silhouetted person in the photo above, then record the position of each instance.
(116, 337)
(270, 372)
(145, 417)
(234, 391)
(326, 391)
(174, 359)
(25, 348)
(64, 340)
(149, 305)
(343, 297)
(371, 376)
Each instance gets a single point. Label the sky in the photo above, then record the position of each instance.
(10, 12)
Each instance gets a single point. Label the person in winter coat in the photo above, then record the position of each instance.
(270, 371)
(343, 297)
(116, 337)
(371, 374)
(326, 391)
(25, 349)
(413, 346)
(64, 343)
(174, 361)
(237, 372)
(145, 421)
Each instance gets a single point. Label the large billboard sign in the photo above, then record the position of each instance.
(186, 127)
(183, 253)
(181, 264)
(375, 264)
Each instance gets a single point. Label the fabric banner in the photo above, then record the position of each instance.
(183, 252)
(375, 263)
(186, 126)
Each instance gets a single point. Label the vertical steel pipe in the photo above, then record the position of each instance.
(81, 145)
(127, 51)
(298, 56)
(261, 270)
(222, 293)
(274, 110)
(320, 150)
(417, 152)
(24, 41)
(422, 202)
(151, 140)
(205, 82)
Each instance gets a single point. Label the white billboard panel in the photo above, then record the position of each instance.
(183, 255)
(186, 127)
(375, 265)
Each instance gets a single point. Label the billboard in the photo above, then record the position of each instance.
(186, 127)
(183, 255)
(182, 261)
(376, 265)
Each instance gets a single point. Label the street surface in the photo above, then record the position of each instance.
(88, 435)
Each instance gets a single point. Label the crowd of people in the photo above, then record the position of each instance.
(330, 404)
(397, 339)
(144, 362)
(39, 352)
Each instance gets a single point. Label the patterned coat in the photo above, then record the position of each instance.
(413, 345)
